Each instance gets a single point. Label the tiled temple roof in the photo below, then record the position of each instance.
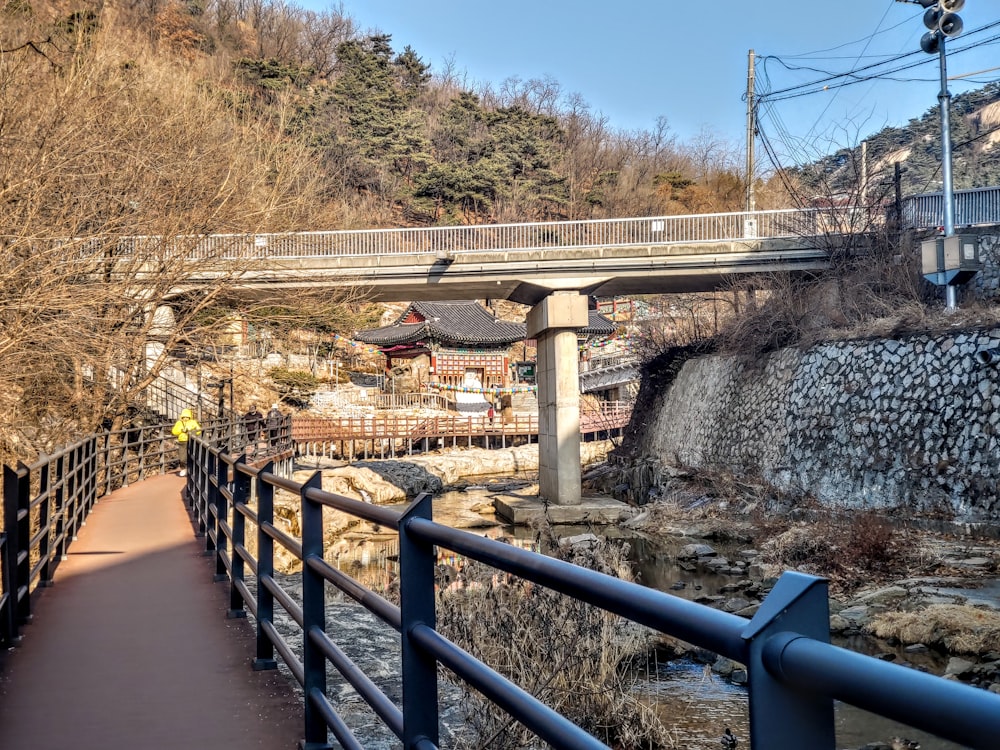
(464, 322)
(598, 325)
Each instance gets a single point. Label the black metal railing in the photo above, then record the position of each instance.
(794, 673)
(45, 503)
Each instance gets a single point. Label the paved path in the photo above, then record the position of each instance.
(131, 648)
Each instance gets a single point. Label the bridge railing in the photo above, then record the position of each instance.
(401, 432)
(794, 673)
(45, 503)
(979, 206)
(608, 361)
(389, 401)
(653, 230)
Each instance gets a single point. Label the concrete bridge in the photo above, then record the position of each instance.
(523, 262)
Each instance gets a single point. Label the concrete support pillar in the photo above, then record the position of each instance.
(553, 322)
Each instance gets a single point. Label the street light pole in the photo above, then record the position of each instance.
(942, 20)
(948, 187)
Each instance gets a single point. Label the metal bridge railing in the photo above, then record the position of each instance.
(794, 673)
(46, 503)
(655, 230)
(979, 206)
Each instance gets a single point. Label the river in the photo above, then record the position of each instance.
(695, 704)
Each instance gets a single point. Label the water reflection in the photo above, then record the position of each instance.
(695, 704)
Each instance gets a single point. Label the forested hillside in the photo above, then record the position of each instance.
(391, 140)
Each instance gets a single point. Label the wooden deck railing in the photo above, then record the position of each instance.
(395, 434)
(612, 415)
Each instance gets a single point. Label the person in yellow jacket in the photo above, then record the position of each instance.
(186, 425)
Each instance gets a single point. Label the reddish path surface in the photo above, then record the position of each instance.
(131, 648)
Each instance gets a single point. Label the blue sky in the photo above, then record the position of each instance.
(633, 61)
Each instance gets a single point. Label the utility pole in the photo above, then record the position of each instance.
(864, 174)
(751, 133)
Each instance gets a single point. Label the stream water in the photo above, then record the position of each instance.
(695, 704)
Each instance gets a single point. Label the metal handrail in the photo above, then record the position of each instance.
(649, 230)
(794, 673)
(46, 502)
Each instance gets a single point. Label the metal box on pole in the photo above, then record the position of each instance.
(950, 260)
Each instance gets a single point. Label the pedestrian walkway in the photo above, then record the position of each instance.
(132, 649)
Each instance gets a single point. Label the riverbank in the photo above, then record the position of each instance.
(913, 589)
(750, 538)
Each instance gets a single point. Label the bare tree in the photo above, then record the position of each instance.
(114, 166)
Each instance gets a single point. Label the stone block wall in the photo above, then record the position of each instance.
(909, 423)
(986, 284)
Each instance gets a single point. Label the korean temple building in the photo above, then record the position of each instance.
(456, 345)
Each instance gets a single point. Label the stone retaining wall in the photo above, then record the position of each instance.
(912, 422)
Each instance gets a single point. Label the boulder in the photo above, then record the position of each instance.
(695, 551)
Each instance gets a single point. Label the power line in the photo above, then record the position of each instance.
(834, 97)
(831, 77)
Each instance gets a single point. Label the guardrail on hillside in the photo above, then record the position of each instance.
(794, 673)
(972, 207)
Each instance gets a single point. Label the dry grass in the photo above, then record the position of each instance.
(952, 628)
(574, 657)
(878, 294)
(852, 550)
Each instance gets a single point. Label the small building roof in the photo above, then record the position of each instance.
(460, 322)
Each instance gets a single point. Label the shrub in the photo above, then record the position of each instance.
(574, 657)
(295, 386)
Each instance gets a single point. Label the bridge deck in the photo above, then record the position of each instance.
(132, 648)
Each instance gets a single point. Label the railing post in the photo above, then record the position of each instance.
(195, 487)
(313, 616)
(45, 515)
(6, 609)
(220, 517)
(17, 502)
(265, 570)
(784, 717)
(416, 587)
(209, 496)
(91, 475)
(106, 452)
(241, 492)
(8, 552)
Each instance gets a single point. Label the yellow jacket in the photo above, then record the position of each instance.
(186, 424)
